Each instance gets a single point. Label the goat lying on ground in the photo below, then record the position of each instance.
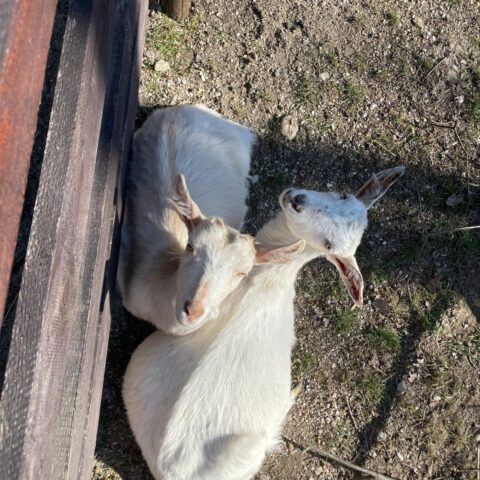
(210, 405)
(175, 269)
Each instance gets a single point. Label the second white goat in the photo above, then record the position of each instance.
(210, 405)
(176, 265)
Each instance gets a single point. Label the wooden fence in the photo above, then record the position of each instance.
(52, 382)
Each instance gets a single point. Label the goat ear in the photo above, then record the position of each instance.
(269, 254)
(245, 237)
(378, 185)
(350, 275)
(184, 205)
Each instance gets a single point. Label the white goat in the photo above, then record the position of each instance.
(175, 270)
(210, 405)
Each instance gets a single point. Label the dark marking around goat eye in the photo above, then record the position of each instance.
(328, 245)
(343, 196)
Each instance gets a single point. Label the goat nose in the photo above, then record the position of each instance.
(193, 311)
(300, 199)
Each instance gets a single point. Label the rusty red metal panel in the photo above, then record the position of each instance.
(25, 30)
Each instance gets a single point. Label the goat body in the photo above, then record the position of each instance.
(213, 154)
(209, 406)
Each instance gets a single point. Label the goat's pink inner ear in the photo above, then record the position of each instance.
(184, 205)
(378, 185)
(267, 254)
(350, 275)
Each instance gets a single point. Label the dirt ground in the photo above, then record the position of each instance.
(373, 84)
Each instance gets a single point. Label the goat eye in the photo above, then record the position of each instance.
(189, 247)
(328, 245)
(343, 196)
(240, 274)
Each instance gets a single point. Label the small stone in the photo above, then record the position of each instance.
(456, 199)
(401, 388)
(437, 398)
(374, 362)
(381, 305)
(382, 436)
(452, 75)
(289, 127)
(419, 22)
(161, 66)
(477, 437)
(324, 76)
(318, 470)
(460, 99)
(253, 179)
(400, 456)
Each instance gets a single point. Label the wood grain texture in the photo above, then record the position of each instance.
(177, 9)
(50, 402)
(23, 55)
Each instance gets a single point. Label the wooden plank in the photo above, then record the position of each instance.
(23, 54)
(51, 398)
(177, 9)
(114, 148)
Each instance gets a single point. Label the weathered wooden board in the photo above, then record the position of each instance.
(53, 381)
(177, 9)
(23, 54)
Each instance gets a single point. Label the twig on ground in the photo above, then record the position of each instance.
(443, 125)
(415, 469)
(478, 462)
(469, 358)
(453, 230)
(420, 210)
(334, 458)
(409, 293)
(383, 147)
(351, 413)
(436, 66)
(466, 159)
(460, 140)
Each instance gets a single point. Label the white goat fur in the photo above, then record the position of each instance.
(210, 405)
(214, 156)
